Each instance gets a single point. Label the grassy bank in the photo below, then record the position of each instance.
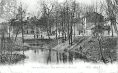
(91, 50)
(11, 59)
(7, 49)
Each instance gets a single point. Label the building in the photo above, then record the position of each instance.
(89, 21)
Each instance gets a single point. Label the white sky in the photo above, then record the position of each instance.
(33, 4)
(82, 1)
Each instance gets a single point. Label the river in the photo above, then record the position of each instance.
(39, 56)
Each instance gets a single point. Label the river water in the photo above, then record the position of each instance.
(35, 58)
(39, 56)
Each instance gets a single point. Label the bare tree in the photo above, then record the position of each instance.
(112, 12)
(46, 13)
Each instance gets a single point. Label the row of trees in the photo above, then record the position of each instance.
(63, 17)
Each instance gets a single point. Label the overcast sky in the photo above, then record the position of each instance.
(33, 4)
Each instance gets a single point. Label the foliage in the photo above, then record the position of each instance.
(3, 28)
(98, 29)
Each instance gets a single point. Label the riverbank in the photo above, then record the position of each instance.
(10, 51)
(8, 56)
(11, 58)
(90, 50)
(62, 46)
(94, 51)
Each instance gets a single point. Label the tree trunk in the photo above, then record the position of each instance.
(102, 56)
(56, 30)
(9, 32)
(62, 31)
(48, 31)
(74, 29)
(112, 28)
(17, 34)
(71, 35)
(23, 38)
(22, 31)
(72, 15)
(68, 33)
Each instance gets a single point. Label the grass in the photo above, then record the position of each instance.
(11, 46)
(91, 50)
(11, 59)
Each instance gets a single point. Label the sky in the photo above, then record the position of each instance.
(82, 1)
(31, 4)
(34, 4)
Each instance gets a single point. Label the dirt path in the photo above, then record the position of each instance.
(76, 46)
(62, 46)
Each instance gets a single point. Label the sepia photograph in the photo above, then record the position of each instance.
(58, 36)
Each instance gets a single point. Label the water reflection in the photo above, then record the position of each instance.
(47, 56)
(40, 55)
